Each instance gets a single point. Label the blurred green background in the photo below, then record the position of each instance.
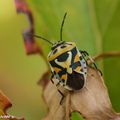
(94, 26)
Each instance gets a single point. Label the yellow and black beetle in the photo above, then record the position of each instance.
(68, 64)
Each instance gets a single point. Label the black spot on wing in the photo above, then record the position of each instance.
(63, 57)
(58, 44)
(63, 46)
(75, 65)
(75, 80)
(81, 58)
(74, 52)
(53, 64)
(62, 72)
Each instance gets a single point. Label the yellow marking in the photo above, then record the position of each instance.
(64, 77)
(78, 69)
(56, 69)
(76, 58)
(66, 64)
(69, 70)
(68, 48)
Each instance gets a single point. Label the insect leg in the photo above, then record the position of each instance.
(85, 54)
(62, 96)
(51, 78)
(54, 82)
(57, 84)
(87, 57)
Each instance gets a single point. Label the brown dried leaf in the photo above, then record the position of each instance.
(44, 79)
(30, 43)
(4, 105)
(92, 102)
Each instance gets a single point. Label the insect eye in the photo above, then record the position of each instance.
(63, 46)
(54, 51)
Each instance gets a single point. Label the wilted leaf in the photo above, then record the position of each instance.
(92, 102)
(44, 79)
(4, 105)
(30, 43)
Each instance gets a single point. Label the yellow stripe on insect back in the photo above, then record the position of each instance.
(78, 69)
(76, 58)
(66, 64)
(56, 69)
(61, 51)
(64, 77)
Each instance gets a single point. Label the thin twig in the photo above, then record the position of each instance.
(107, 54)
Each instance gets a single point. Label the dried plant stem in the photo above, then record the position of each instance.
(107, 54)
(93, 103)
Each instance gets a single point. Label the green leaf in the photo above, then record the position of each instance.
(108, 17)
(76, 116)
(78, 26)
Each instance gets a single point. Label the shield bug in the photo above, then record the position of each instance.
(68, 64)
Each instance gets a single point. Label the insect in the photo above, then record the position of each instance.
(68, 64)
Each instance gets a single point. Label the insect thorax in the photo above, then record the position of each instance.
(65, 57)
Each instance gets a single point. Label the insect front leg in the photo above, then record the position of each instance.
(87, 57)
(55, 79)
(57, 83)
(51, 78)
(62, 97)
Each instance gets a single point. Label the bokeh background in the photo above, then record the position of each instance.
(93, 25)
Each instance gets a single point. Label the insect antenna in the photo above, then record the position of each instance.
(62, 26)
(37, 36)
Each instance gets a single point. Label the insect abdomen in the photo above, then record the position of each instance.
(75, 80)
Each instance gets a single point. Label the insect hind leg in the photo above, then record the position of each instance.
(62, 97)
(85, 54)
(51, 78)
(57, 85)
